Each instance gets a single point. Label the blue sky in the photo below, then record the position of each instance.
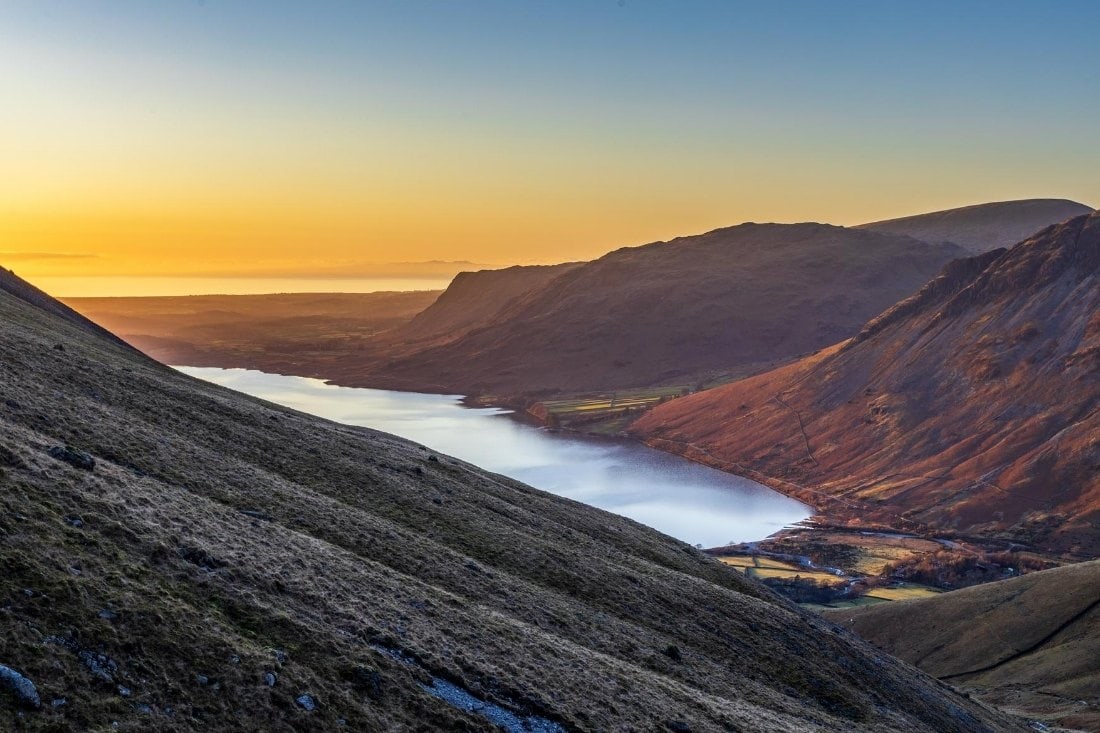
(523, 131)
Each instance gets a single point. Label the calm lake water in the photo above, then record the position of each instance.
(691, 502)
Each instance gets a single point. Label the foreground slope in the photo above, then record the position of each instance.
(972, 405)
(1030, 644)
(731, 300)
(984, 227)
(230, 564)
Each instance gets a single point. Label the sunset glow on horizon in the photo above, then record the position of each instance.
(231, 142)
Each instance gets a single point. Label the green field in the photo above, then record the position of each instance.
(612, 402)
(766, 567)
(903, 592)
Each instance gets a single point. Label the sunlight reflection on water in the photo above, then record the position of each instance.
(689, 501)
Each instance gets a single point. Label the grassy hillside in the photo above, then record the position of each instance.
(729, 301)
(1030, 644)
(179, 557)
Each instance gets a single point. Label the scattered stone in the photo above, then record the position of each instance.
(678, 726)
(12, 404)
(107, 614)
(673, 653)
(76, 458)
(234, 659)
(437, 500)
(257, 514)
(270, 678)
(433, 459)
(144, 709)
(307, 702)
(124, 691)
(59, 347)
(74, 521)
(202, 679)
(58, 702)
(28, 593)
(280, 656)
(23, 688)
(100, 665)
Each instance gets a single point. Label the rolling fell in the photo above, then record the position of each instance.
(731, 301)
(180, 557)
(971, 406)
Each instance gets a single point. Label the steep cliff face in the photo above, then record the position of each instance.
(971, 405)
(180, 557)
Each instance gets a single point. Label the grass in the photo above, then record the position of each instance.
(607, 412)
(905, 592)
(764, 567)
(820, 577)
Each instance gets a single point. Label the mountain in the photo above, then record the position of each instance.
(475, 298)
(971, 406)
(983, 227)
(731, 300)
(1030, 644)
(180, 557)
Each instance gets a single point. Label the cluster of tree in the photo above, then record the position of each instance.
(948, 568)
(808, 590)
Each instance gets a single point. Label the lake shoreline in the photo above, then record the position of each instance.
(686, 499)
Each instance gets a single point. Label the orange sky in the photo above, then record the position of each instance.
(155, 149)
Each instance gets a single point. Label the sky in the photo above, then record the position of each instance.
(160, 146)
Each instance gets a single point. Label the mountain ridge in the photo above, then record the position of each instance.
(982, 227)
(669, 312)
(951, 409)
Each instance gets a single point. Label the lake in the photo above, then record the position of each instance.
(692, 502)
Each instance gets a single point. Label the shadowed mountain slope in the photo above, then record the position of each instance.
(731, 300)
(180, 557)
(983, 227)
(1030, 644)
(972, 405)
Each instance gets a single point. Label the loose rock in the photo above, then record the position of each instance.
(72, 456)
(306, 702)
(23, 688)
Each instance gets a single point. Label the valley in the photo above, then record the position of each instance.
(549, 367)
(871, 541)
(179, 555)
